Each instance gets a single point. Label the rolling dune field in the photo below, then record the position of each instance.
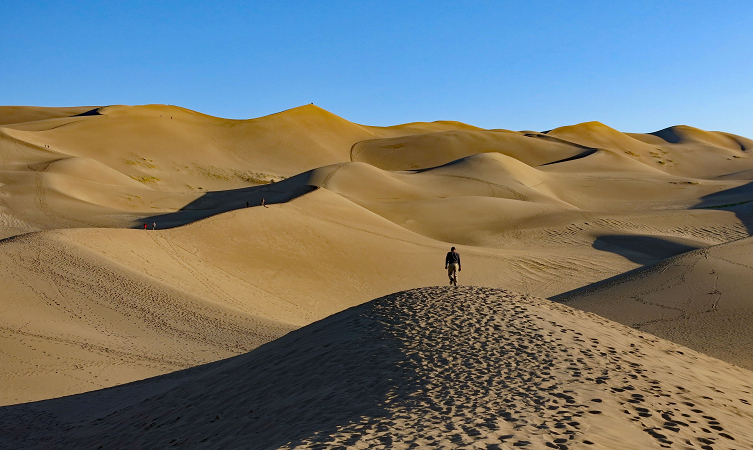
(182, 279)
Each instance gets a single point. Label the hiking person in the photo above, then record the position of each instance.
(154, 226)
(145, 225)
(452, 264)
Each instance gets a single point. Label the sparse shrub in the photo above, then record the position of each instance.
(145, 179)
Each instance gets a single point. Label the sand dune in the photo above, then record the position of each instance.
(20, 114)
(699, 299)
(680, 150)
(170, 147)
(165, 149)
(253, 273)
(354, 212)
(435, 367)
(683, 134)
(426, 150)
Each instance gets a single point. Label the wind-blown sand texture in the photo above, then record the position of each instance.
(429, 368)
(684, 299)
(91, 300)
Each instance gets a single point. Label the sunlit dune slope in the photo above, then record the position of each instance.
(73, 171)
(20, 114)
(75, 320)
(90, 308)
(681, 150)
(445, 367)
(699, 299)
(426, 150)
(683, 134)
(171, 147)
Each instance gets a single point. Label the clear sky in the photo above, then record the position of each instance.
(637, 66)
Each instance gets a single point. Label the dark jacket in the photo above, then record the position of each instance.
(452, 258)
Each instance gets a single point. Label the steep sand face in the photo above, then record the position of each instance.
(699, 299)
(434, 367)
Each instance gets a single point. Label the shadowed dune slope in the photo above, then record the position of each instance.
(699, 299)
(444, 367)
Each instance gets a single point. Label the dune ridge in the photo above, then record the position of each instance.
(21, 114)
(434, 367)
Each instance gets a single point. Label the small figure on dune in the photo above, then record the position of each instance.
(452, 264)
(264, 204)
(247, 205)
(154, 225)
(145, 225)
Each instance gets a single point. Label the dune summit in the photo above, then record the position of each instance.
(433, 367)
(156, 262)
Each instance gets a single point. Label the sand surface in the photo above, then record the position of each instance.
(92, 300)
(700, 299)
(428, 368)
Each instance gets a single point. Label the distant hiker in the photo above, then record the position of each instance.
(154, 225)
(264, 204)
(452, 264)
(247, 205)
(145, 225)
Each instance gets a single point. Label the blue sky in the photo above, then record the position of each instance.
(637, 66)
